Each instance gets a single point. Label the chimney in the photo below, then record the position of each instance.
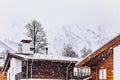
(46, 51)
(32, 49)
(26, 41)
(24, 47)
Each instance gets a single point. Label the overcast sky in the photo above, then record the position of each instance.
(14, 14)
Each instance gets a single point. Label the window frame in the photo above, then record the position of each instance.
(102, 74)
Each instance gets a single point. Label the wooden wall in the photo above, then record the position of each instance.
(48, 69)
(105, 64)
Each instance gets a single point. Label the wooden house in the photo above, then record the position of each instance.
(38, 67)
(104, 62)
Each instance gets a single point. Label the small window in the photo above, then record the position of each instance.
(102, 74)
(75, 71)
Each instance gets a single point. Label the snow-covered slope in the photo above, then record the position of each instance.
(13, 45)
(3, 46)
(6, 45)
(78, 37)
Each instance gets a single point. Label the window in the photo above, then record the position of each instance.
(102, 74)
(75, 71)
(81, 72)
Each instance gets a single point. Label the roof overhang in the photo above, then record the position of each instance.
(104, 50)
(30, 57)
(7, 61)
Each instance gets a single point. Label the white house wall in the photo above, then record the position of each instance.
(15, 67)
(18, 66)
(8, 74)
(12, 68)
(26, 48)
(116, 63)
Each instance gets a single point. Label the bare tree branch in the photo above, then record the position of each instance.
(85, 52)
(37, 34)
(68, 51)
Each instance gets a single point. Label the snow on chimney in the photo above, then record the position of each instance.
(24, 47)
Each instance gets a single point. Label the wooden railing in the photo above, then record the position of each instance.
(20, 76)
(84, 75)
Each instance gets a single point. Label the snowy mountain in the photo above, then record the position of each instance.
(78, 37)
(7, 45)
(13, 45)
(3, 46)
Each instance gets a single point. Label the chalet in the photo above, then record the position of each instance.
(22, 67)
(28, 66)
(104, 62)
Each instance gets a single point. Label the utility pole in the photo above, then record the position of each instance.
(67, 71)
(34, 36)
(34, 46)
(26, 68)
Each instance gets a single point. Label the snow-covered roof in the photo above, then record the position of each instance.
(48, 57)
(39, 57)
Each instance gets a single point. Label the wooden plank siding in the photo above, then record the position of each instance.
(48, 70)
(101, 59)
(3, 77)
(105, 64)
